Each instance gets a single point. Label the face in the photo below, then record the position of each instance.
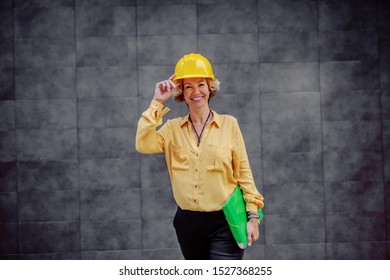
(196, 92)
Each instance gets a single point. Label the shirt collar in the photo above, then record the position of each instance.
(217, 120)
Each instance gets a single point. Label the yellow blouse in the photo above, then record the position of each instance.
(202, 177)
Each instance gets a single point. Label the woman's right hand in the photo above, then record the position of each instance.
(164, 90)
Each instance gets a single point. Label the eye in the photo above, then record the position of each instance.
(202, 85)
(187, 87)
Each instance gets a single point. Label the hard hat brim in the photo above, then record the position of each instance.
(192, 76)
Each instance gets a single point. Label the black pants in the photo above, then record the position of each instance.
(205, 235)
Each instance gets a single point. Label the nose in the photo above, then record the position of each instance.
(196, 89)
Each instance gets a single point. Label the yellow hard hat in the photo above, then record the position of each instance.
(193, 65)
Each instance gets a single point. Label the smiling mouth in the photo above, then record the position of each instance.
(198, 98)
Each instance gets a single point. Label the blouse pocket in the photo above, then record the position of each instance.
(180, 157)
(218, 158)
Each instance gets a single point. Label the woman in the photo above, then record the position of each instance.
(206, 158)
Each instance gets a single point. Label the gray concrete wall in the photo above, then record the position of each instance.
(309, 82)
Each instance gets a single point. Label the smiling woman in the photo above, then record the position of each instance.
(194, 66)
(206, 159)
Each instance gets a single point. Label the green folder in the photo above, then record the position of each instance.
(235, 213)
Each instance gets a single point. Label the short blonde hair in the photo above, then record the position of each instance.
(213, 86)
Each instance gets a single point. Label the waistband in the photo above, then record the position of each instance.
(216, 214)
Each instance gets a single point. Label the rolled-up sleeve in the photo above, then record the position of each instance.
(148, 139)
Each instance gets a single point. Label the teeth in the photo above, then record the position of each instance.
(197, 98)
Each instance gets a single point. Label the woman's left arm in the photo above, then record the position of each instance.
(243, 175)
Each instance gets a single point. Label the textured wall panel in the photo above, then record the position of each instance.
(106, 142)
(7, 115)
(292, 167)
(354, 197)
(352, 166)
(46, 83)
(343, 227)
(229, 48)
(288, 46)
(276, 16)
(47, 175)
(237, 17)
(289, 77)
(283, 229)
(348, 45)
(356, 251)
(8, 177)
(156, 165)
(294, 107)
(152, 230)
(105, 3)
(47, 144)
(245, 79)
(6, 22)
(244, 106)
(106, 51)
(7, 53)
(164, 49)
(43, 3)
(46, 114)
(385, 75)
(112, 255)
(291, 198)
(296, 252)
(153, 200)
(291, 138)
(44, 52)
(352, 105)
(346, 15)
(116, 81)
(44, 22)
(9, 238)
(110, 204)
(48, 206)
(105, 21)
(349, 75)
(6, 83)
(111, 235)
(110, 173)
(154, 20)
(8, 146)
(8, 207)
(49, 237)
(107, 112)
